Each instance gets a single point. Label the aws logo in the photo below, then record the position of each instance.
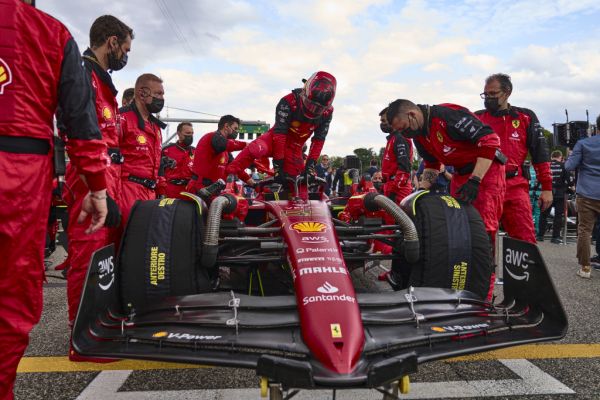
(5, 75)
(308, 226)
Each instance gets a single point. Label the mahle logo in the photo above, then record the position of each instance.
(308, 227)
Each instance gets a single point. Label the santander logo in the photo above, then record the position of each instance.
(327, 288)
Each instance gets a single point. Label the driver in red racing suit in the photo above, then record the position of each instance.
(452, 135)
(520, 132)
(40, 71)
(301, 114)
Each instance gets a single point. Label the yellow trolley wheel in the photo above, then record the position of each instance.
(264, 387)
(404, 384)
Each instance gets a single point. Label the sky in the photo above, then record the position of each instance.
(240, 57)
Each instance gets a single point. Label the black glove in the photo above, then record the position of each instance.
(468, 192)
(206, 193)
(309, 169)
(113, 218)
(278, 169)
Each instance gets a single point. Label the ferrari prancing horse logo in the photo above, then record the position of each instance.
(516, 123)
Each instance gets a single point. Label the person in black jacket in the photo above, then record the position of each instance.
(561, 180)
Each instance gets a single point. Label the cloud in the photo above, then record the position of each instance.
(241, 57)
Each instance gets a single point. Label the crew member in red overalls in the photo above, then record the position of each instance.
(141, 142)
(301, 114)
(176, 161)
(110, 41)
(212, 153)
(395, 166)
(452, 135)
(520, 133)
(40, 71)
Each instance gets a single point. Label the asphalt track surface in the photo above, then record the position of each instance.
(569, 369)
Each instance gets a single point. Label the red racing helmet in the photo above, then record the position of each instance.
(318, 94)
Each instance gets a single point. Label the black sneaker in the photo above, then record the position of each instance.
(556, 241)
(595, 261)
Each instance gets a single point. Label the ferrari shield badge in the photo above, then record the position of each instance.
(336, 331)
(516, 123)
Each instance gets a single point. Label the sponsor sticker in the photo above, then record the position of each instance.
(322, 270)
(106, 273)
(308, 227)
(324, 298)
(517, 261)
(302, 250)
(314, 239)
(310, 259)
(141, 139)
(458, 328)
(183, 336)
(327, 288)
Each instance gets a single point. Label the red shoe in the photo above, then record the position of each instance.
(75, 357)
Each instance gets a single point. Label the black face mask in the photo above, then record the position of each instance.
(116, 64)
(188, 140)
(410, 133)
(233, 135)
(156, 105)
(378, 186)
(491, 104)
(385, 128)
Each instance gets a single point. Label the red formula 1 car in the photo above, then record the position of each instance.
(266, 284)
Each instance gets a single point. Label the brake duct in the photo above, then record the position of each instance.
(410, 245)
(210, 247)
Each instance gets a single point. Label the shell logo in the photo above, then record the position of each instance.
(295, 124)
(308, 226)
(160, 334)
(141, 139)
(5, 75)
(106, 113)
(437, 329)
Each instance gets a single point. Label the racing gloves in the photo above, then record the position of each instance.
(206, 193)
(113, 218)
(278, 169)
(468, 192)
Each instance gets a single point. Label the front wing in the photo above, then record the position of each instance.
(402, 329)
